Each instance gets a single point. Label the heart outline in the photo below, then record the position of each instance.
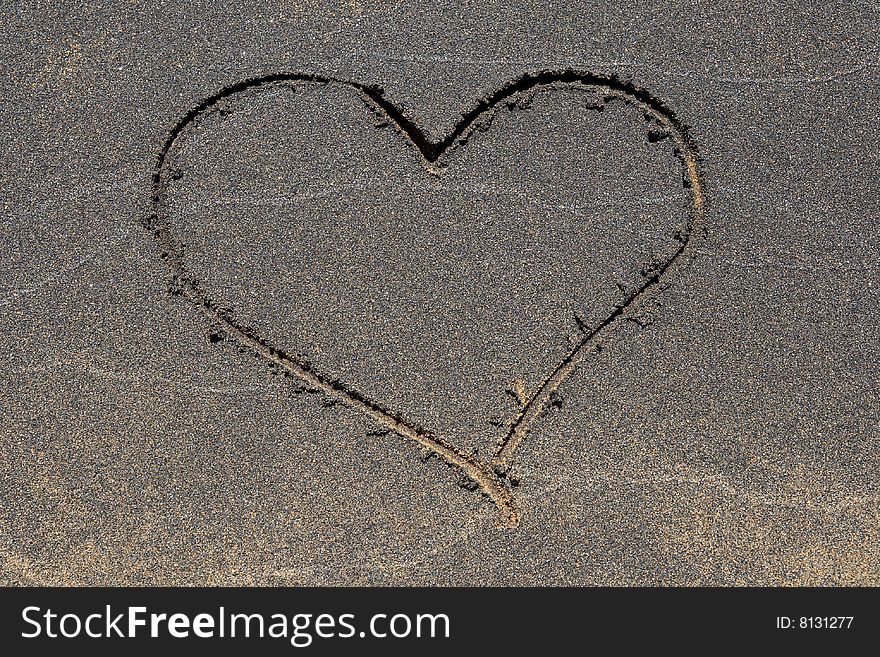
(490, 477)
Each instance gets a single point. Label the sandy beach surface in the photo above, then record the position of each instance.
(390, 293)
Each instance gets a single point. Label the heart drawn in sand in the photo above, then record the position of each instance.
(490, 475)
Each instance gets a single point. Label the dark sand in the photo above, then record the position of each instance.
(726, 432)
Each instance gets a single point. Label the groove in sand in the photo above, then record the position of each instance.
(489, 477)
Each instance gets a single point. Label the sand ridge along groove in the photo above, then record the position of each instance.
(490, 477)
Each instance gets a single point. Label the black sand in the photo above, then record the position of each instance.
(726, 433)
